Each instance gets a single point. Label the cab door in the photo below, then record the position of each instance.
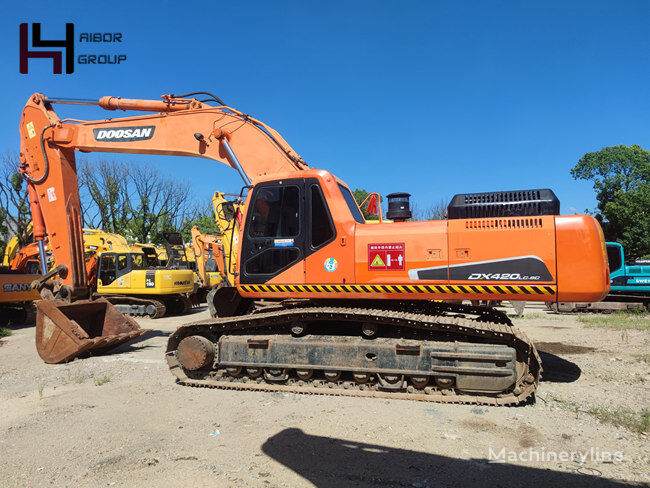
(107, 270)
(274, 234)
(124, 268)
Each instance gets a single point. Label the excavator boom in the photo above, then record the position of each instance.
(48, 163)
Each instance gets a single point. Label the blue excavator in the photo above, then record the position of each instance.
(630, 286)
(629, 279)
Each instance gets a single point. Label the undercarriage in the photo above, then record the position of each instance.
(154, 307)
(424, 351)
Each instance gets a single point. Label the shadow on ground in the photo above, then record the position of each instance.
(132, 345)
(557, 369)
(335, 463)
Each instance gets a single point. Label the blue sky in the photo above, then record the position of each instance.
(432, 98)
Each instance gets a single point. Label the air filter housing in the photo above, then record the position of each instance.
(399, 208)
(518, 203)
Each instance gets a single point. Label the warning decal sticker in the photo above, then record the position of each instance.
(386, 257)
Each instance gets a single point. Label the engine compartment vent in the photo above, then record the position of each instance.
(518, 203)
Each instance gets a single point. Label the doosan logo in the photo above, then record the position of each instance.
(124, 134)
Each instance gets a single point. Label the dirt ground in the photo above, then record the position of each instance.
(121, 420)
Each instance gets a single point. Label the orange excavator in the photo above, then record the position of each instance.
(321, 301)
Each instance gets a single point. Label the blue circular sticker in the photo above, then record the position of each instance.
(331, 264)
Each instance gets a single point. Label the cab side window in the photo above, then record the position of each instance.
(322, 229)
(614, 258)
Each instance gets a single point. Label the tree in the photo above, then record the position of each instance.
(15, 212)
(360, 196)
(135, 201)
(103, 188)
(621, 178)
(202, 217)
(3, 232)
(158, 204)
(436, 211)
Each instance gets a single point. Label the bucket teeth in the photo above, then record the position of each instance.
(65, 331)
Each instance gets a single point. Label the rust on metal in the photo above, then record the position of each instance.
(489, 336)
(195, 352)
(65, 331)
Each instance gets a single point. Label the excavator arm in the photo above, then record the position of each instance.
(177, 126)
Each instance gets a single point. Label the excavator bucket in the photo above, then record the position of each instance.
(65, 331)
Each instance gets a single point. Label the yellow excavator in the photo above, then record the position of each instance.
(17, 273)
(13, 246)
(213, 248)
(124, 277)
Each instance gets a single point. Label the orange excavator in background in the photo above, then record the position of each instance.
(215, 250)
(208, 253)
(320, 299)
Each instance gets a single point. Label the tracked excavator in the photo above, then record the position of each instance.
(630, 286)
(321, 302)
(123, 276)
(206, 249)
(216, 250)
(17, 273)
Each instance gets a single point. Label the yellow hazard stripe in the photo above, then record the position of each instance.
(406, 289)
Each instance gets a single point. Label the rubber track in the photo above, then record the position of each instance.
(459, 326)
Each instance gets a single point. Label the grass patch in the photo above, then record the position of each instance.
(535, 315)
(566, 404)
(5, 332)
(635, 421)
(79, 378)
(617, 321)
(102, 380)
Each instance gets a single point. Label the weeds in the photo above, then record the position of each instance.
(619, 320)
(635, 421)
(535, 315)
(625, 337)
(80, 378)
(102, 380)
(566, 404)
(643, 358)
(623, 417)
(5, 332)
(41, 387)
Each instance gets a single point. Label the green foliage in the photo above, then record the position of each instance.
(203, 220)
(636, 421)
(618, 321)
(621, 178)
(100, 381)
(15, 212)
(3, 232)
(135, 201)
(360, 195)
